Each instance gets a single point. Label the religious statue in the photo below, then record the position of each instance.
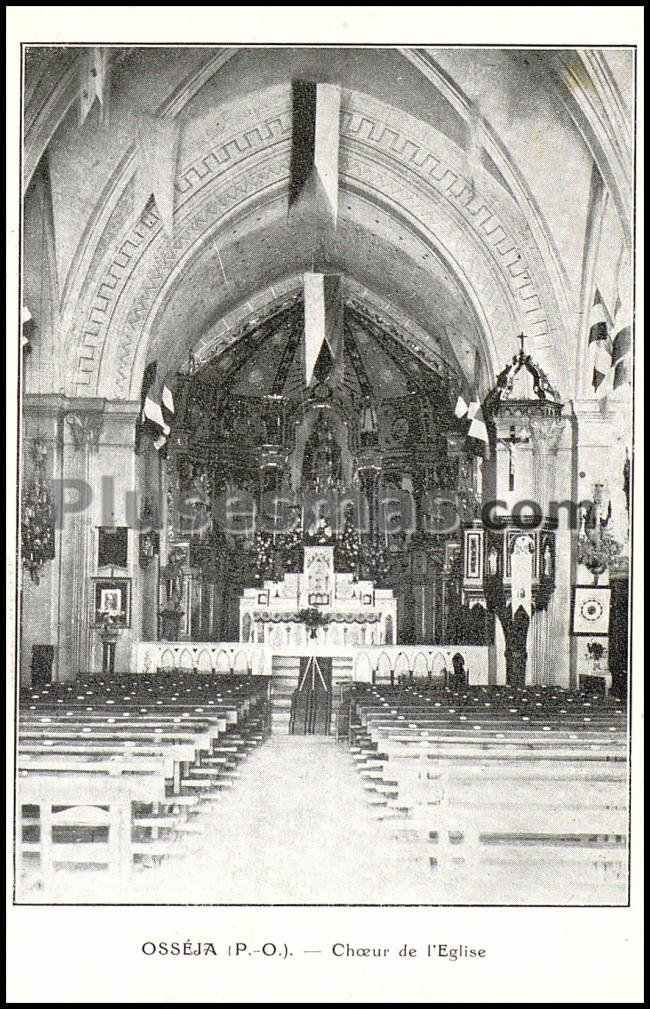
(320, 532)
(322, 461)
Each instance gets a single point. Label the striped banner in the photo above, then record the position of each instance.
(157, 154)
(600, 343)
(323, 326)
(621, 346)
(473, 412)
(314, 173)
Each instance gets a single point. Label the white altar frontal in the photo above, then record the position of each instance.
(319, 609)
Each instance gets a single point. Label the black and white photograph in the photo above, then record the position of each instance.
(327, 373)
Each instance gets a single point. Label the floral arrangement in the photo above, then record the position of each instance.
(285, 550)
(346, 552)
(376, 560)
(264, 553)
(598, 552)
(37, 518)
(312, 619)
(37, 528)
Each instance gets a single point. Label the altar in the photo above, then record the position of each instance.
(318, 607)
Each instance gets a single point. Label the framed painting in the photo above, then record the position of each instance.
(112, 601)
(590, 609)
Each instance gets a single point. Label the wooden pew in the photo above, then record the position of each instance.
(498, 775)
(82, 746)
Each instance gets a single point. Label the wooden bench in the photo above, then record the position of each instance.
(110, 773)
(494, 773)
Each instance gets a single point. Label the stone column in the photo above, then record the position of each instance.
(38, 604)
(129, 476)
(600, 456)
(549, 629)
(81, 426)
(99, 470)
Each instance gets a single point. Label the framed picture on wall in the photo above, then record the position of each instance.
(112, 546)
(112, 601)
(591, 609)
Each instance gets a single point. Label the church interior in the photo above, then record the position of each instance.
(326, 453)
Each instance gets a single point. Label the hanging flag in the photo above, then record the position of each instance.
(600, 342)
(314, 172)
(26, 328)
(93, 82)
(601, 367)
(151, 419)
(157, 153)
(160, 443)
(599, 320)
(621, 345)
(323, 326)
(168, 411)
(167, 403)
(473, 412)
(461, 408)
(148, 378)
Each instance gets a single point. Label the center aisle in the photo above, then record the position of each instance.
(294, 829)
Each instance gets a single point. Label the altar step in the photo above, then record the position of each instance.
(281, 693)
(285, 677)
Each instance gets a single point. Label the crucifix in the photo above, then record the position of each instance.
(522, 353)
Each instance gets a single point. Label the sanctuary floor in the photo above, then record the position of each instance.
(296, 829)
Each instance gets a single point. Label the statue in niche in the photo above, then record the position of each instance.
(524, 545)
(320, 532)
(322, 465)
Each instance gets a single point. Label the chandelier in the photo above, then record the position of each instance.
(37, 517)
